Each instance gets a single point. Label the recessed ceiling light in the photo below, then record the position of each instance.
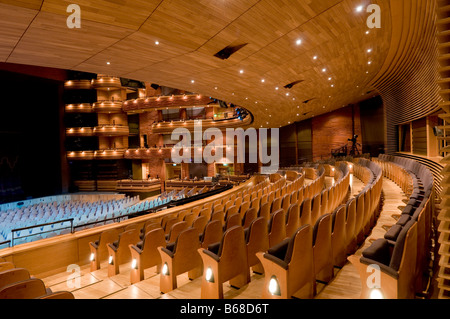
(367, 32)
(359, 9)
(324, 70)
(241, 71)
(108, 63)
(262, 81)
(298, 42)
(287, 94)
(369, 63)
(192, 81)
(277, 88)
(298, 114)
(369, 50)
(156, 42)
(215, 88)
(332, 85)
(329, 79)
(315, 57)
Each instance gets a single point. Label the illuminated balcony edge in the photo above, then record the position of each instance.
(79, 108)
(160, 102)
(167, 127)
(78, 85)
(108, 130)
(96, 155)
(107, 107)
(106, 81)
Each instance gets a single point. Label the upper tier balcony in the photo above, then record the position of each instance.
(106, 82)
(167, 102)
(168, 127)
(107, 107)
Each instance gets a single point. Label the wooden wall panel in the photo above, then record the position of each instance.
(408, 80)
(443, 36)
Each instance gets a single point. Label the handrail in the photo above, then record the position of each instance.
(6, 242)
(13, 231)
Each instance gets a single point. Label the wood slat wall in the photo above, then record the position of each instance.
(443, 36)
(408, 80)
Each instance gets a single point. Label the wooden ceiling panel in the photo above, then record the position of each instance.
(192, 23)
(28, 4)
(130, 14)
(13, 23)
(49, 42)
(191, 32)
(133, 53)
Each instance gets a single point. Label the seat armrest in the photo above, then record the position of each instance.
(211, 254)
(137, 249)
(113, 247)
(385, 269)
(168, 252)
(276, 260)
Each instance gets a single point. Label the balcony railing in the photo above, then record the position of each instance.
(106, 82)
(96, 155)
(78, 85)
(111, 130)
(80, 131)
(79, 108)
(108, 107)
(168, 127)
(167, 102)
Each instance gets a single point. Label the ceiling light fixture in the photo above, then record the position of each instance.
(298, 42)
(359, 9)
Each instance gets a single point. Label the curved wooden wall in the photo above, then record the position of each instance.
(443, 36)
(407, 82)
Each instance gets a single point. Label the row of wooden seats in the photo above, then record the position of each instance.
(403, 254)
(154, 233)
(283, 218)
(114, 246)
(178, 254)
(311, 253)
(17, 283)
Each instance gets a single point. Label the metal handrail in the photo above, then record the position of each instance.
(13, 231)
(6, 242)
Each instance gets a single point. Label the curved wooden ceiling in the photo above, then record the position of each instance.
(190, 33)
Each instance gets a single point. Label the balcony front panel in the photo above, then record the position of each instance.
(164, 102)
(111, 130)
(107, 107)
(106, 82)
(168, 127)
(79, 108)
(96, 155)
(80, 131)
(78, 85)
(81, 155)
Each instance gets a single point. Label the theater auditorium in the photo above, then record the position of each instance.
(225, 150)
